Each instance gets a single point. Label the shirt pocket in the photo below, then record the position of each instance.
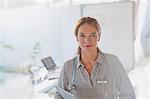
(105, 88)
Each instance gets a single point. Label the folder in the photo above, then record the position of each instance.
(65, 94)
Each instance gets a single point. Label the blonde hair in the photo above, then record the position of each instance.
(87, 20)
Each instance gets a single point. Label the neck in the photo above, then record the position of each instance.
(89, 57)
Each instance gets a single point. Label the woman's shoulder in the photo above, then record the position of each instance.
(110, 56)
(69, 63)
(112, 59)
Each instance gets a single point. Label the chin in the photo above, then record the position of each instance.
(88, 49)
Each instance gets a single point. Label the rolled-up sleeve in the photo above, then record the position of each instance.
(62, 83)
(124, 85)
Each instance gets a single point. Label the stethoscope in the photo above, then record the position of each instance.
(72, 85)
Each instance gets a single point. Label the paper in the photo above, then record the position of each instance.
(65, 94)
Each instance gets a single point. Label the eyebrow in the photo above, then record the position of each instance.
(81, 33)
(93, 33)
(90, 33)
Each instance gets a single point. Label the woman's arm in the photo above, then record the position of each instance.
(124, 85)
(62, 82)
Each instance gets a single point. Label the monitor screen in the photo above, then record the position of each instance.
(48, 63)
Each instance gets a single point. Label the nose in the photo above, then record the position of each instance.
(87, 39)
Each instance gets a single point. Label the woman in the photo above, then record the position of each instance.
(93, 74)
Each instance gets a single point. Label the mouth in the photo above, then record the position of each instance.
(88, 46)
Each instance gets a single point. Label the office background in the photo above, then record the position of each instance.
(33, 29)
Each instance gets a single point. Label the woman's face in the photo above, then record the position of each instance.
(87, 37)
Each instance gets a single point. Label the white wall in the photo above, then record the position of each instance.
(53, 28)
(116, 21)
(69, 17)
(145, 31)
(142, 42)
(23, 28)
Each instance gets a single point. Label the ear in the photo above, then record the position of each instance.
(99, 38)
(77, 39)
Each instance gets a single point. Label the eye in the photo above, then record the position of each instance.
(93, 35)
(81, 35)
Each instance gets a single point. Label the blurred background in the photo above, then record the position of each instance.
(31, 30)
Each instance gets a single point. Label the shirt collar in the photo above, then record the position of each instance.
(99, 59)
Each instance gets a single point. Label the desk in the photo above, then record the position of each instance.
(20, 86)
(44, 83)
(9, 93)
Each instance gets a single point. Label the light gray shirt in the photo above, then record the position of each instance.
(108, 79)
